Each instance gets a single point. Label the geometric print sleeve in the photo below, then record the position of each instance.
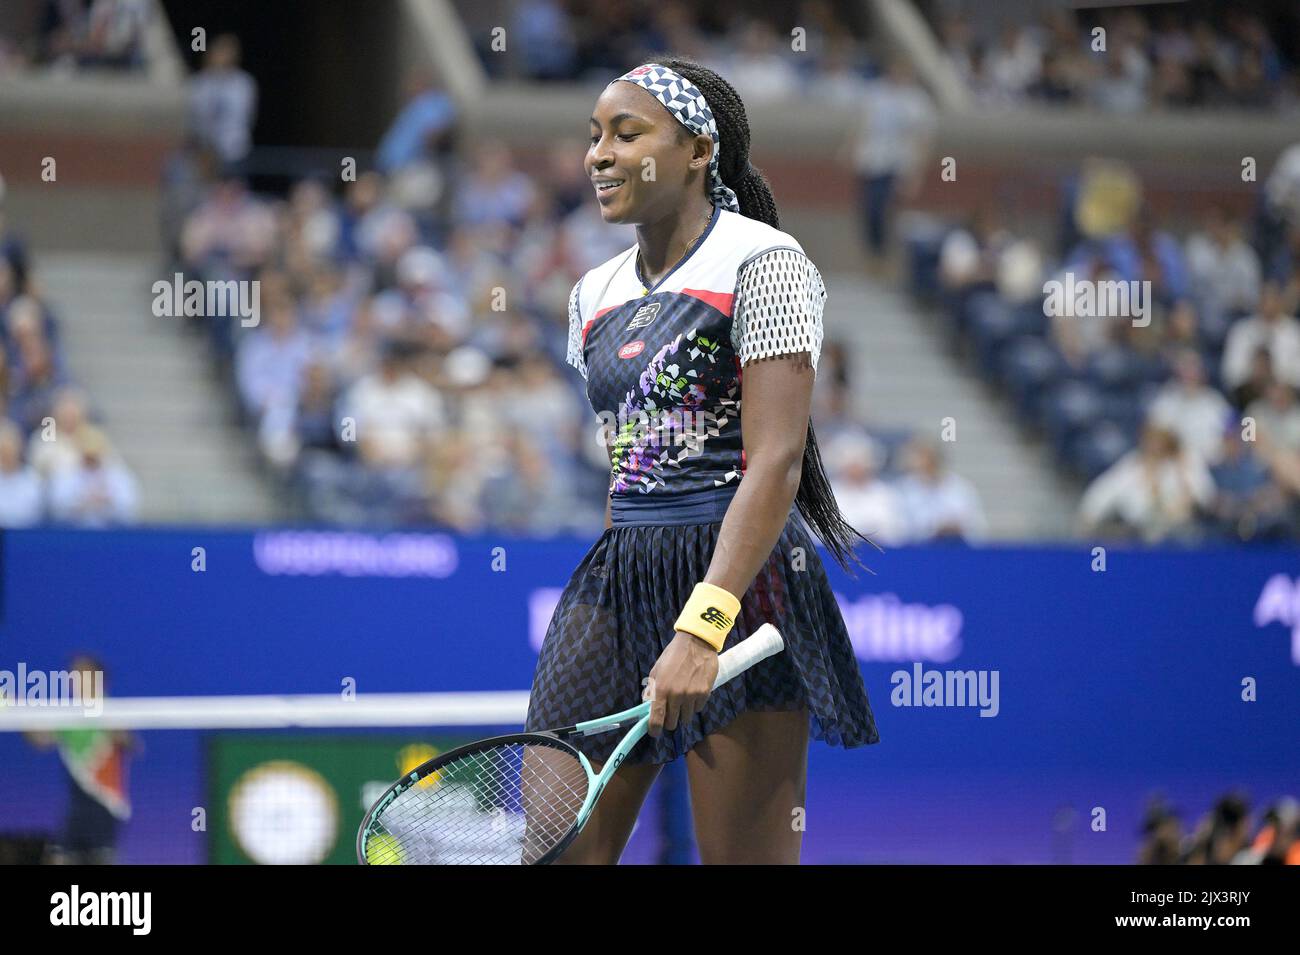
(780, 297)
(574, 356)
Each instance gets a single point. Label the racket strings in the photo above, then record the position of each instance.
(504, 805)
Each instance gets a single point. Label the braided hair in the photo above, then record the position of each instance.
(814, 499)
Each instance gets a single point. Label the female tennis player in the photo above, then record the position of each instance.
(703, 540)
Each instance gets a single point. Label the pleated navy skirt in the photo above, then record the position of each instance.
(616, 615)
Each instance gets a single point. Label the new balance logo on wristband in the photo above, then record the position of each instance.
(717, 618)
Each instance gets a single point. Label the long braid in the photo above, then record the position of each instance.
(814, 499)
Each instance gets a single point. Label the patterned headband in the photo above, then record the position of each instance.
(683, 99)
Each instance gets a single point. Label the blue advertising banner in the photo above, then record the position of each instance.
(1029, 700)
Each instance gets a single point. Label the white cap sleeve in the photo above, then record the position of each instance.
(574, 356)
(780, 297)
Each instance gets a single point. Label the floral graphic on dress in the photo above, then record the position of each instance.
(667, 408)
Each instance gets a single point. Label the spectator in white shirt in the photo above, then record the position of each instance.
(99, 492)
(1154, 492)
(1271, 328)
(938, 503)
(868, 503)
(223, 101)
(1192, 409)
(1277, 415)
(55, 449)
(21, 500)
(1224, 269)
(1015, 63)
(396, 414)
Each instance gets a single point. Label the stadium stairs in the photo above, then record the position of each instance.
(152, 382)
(905, 376)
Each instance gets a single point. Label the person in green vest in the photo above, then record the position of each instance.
(95, 761)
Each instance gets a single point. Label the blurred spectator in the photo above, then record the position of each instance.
(1278, 841)
(230, 229)
(115, 34)
(396, 413)
(493, 191)
(938, 503)
(1225, 270)
(1154, 492)
(546, 39)
(1191, 409)
(1259, 380)
(302, 420)
(94, 33)
(21, 497)
(1249, 504)
(1277, 415)
(1271, 329)
(99, 491)
(1121, 85)
(892, 142)
(56, 450)
(270, 361)
(421, 130)
(1223, 834)
(867, 502)
(223, 101)
(1012, 65)
(520, 493)
(1162, 836)
(37, 377)
(970, 256)
(421, 308)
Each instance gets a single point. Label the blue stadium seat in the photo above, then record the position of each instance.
(992, 325)
(1029, 366)
(1098, 448)
(1068, 409)
(1114, 368)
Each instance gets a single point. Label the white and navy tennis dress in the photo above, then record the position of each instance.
(664, 367)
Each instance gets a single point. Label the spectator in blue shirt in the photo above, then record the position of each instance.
(420, 129)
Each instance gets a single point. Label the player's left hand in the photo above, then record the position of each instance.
(680, 682)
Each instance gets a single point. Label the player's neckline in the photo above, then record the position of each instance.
(648, 289)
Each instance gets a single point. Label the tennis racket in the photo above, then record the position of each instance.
(513, 800)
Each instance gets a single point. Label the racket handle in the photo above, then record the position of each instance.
(759, 645)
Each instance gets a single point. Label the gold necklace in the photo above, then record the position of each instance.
(645, 290)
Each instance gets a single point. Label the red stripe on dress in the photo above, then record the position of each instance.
(722, 301)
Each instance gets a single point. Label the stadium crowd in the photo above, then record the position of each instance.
(580, 40)
(1143, 59)
(408, 367)
(1183, 411)
(72, 35)
(1223, 836)
(56, 463)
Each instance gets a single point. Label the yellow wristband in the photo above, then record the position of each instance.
(709, 614)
